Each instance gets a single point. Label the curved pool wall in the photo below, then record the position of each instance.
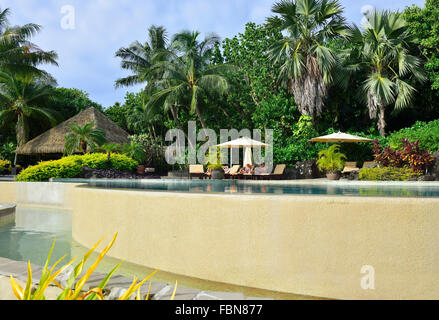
(310, 245)
(7, 213)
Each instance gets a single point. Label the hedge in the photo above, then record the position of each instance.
(427, 133)
(5, 166)
(71, 167)
(387, 174)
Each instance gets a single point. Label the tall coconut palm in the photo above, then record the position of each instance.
(306, 62)
(17, 54)
(138, 58)
(186, 76)
(24, 100)
(391, 70)
(80, 138)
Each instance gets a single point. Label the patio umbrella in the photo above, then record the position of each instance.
(340, 137)
(246, 143)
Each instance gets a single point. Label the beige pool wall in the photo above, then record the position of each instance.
(310, 245)
(307, 245)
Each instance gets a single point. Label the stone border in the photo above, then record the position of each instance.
(115, 287)
(7, 213)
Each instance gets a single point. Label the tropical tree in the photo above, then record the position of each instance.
(385, 49)
(306, 61)
(138, 58)
(134, 150)
(24, 100)
(110, 148)
(82, 137)
(18, 55)
(423, 23)
(186, 78)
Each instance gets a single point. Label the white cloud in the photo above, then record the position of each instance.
(86, 54)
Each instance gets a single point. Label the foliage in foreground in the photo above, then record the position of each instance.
(71, 167)
(387, 174)
(72, 291)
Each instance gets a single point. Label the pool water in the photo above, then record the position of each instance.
(31, 235)
(242, 187)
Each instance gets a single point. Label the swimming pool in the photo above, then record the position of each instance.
(381, 189)
(30, 236)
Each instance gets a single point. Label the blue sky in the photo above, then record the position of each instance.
(86, 54)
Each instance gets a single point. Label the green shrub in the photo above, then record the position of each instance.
(331, 159)
(7, 151)
(5, 166)
(71, 167)
(387, 174)
(427, 133)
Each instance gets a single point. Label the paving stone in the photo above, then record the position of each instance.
(119, 281)
(156, 287)
(181, 294)
(5, 261)
(6, 292)
(13, 268)
(114, 289)
(116, 293)
(213, 295)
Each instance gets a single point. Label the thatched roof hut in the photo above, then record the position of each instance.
(52, 141)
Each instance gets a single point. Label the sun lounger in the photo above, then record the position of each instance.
(279, 173)
(196, 171)
(369, 164)
(234, 172)
(351, 167)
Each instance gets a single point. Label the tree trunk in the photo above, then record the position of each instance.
(382, 121)
(21, 135)
(200, 117)
(174, 115)
(84, 147)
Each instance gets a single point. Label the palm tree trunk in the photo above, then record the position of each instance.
(200, 117)
(21, 135)
(84, 147)
(382, 121)
(174, 115)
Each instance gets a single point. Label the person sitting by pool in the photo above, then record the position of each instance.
(261, 170)
(247, 170)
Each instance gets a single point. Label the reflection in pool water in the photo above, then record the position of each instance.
(236, 187)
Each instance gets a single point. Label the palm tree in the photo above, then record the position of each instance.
(18, 55)
(390, 68)
(306, 62)
(139, 57)
(110, 148)
(186, 78)
(24, 100)
(134, 151)
(82, 137)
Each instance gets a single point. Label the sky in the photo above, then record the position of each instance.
(87, 40)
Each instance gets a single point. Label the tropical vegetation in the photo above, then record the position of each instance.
(305, 72)
(387, 174)
(331, 159)
(81, 138)
(71, 167)
(73, 289)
